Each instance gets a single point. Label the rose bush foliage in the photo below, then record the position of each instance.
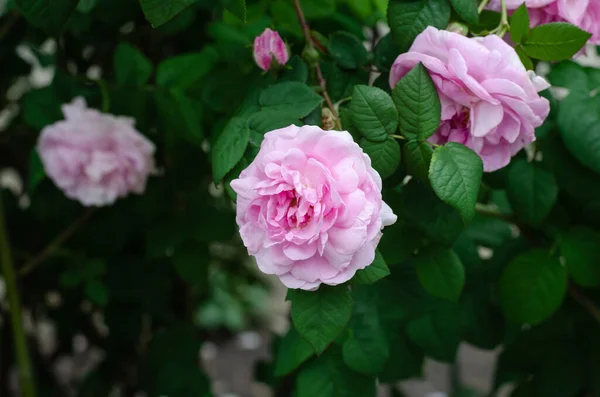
(415, 188)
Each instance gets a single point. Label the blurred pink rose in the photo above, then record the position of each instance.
(268, 45)
(490, 103)
(95, 158)
(582, 13)
(309, 207)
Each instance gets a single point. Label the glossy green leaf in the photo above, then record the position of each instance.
(183, 71)
(416, 156)
(347, 50)
(467, 10)
(229, 147)
(409, 18)
(437, 333)
(418, 104)
(374, 272)
(519, 24)
(293, 351)
(292, 99)
(131, 66)
(532, 287)
(385, 156)
(556, 41)
(455, 174)
(373, 113)
(237, 8)
(581, 250)
(158, 12)
(320, 316)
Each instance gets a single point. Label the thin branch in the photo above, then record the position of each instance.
(585, 302)
(310, 42)
(482, 6)
(30, 265)
(26, 382)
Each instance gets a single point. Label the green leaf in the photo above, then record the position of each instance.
(519, 24)
(183, 71)
(374, 272)
(581, 250)
(36, 171)
(467, 10)
(347, 50)
(556, 41)
(158, 12)
(366, 349)
(292, 352)
(131, 66)
(525, 60)
(437, 333)
(385, 156)
(532, 287)
(386, 52)
(408, 19)
(417, 158)
(41, 107)
(579, 126)
(181, 116)
(97, 292)
(295, 70)
(441, 273)
(48, 15)
(237, 8)
(191, 263)
(317, 8)
(329, 377)
(229, 147)
(320, 316)
(405, 361)
(418, 104)
(455, 174)
(373, 113)
(292, 99)
(532, 191)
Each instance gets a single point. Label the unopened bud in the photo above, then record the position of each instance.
(457, 27)
(310, 54)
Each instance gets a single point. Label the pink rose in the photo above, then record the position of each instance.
(490, 103)
(95, 158)
(582, 13)
(309, 207)
(268, 45)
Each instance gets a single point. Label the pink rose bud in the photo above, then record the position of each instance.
(490, 103)
(95, 158)
(309, 207)
(268, 45)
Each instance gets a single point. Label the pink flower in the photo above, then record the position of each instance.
(309, 207)
(268, 45)
(582, 13)
(490, 103)
(95, 158)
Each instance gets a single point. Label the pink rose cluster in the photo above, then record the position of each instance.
(309, 207)
(269, 47)
(582, 13)
(490, 103)
(95, 158)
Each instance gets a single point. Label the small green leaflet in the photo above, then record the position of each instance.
(229, 147)
(347, 50)
(441, 273)
(519, 24)
(158, 12)
(49, 15)
(373, 113)
(467, 9)
(581, 249)
(292, 352)
(417, 158)
(455, 174)
(184, 70)
(385, 156)
(131, 66)
(374, 272)
(237, 8)
(290, 99)
(556, 41)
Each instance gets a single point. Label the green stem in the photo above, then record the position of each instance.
(26, 382)
(105, 95)
(398, 137)
(482, 5)
(585, 302)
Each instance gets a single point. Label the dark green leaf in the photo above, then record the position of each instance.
(49, 15)
(160, 11)
(181, 116)
(183, 71)
(295, 70)
(467, 10)
(347, 50)
(386, 52)
(519, 24)
(418, 104)
(438, 334)
(293, 351)
(320, 316)
(131, 66)
(405, 361)
(373, 113)
(532, 191)
(407, 19)
(372, 273)
(191, 263)
(237, 8)
(581, 250)
(292, 99)
(455, 174)
(97, 292)
(556, 41)
(36, 171)
(532, 287)
(417, 158)
(441, 273)
(385, 156)
(229, 147)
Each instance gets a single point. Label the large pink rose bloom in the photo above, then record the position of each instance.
(490, 103)
(582, 13)
(309, 207)
(95, 158)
